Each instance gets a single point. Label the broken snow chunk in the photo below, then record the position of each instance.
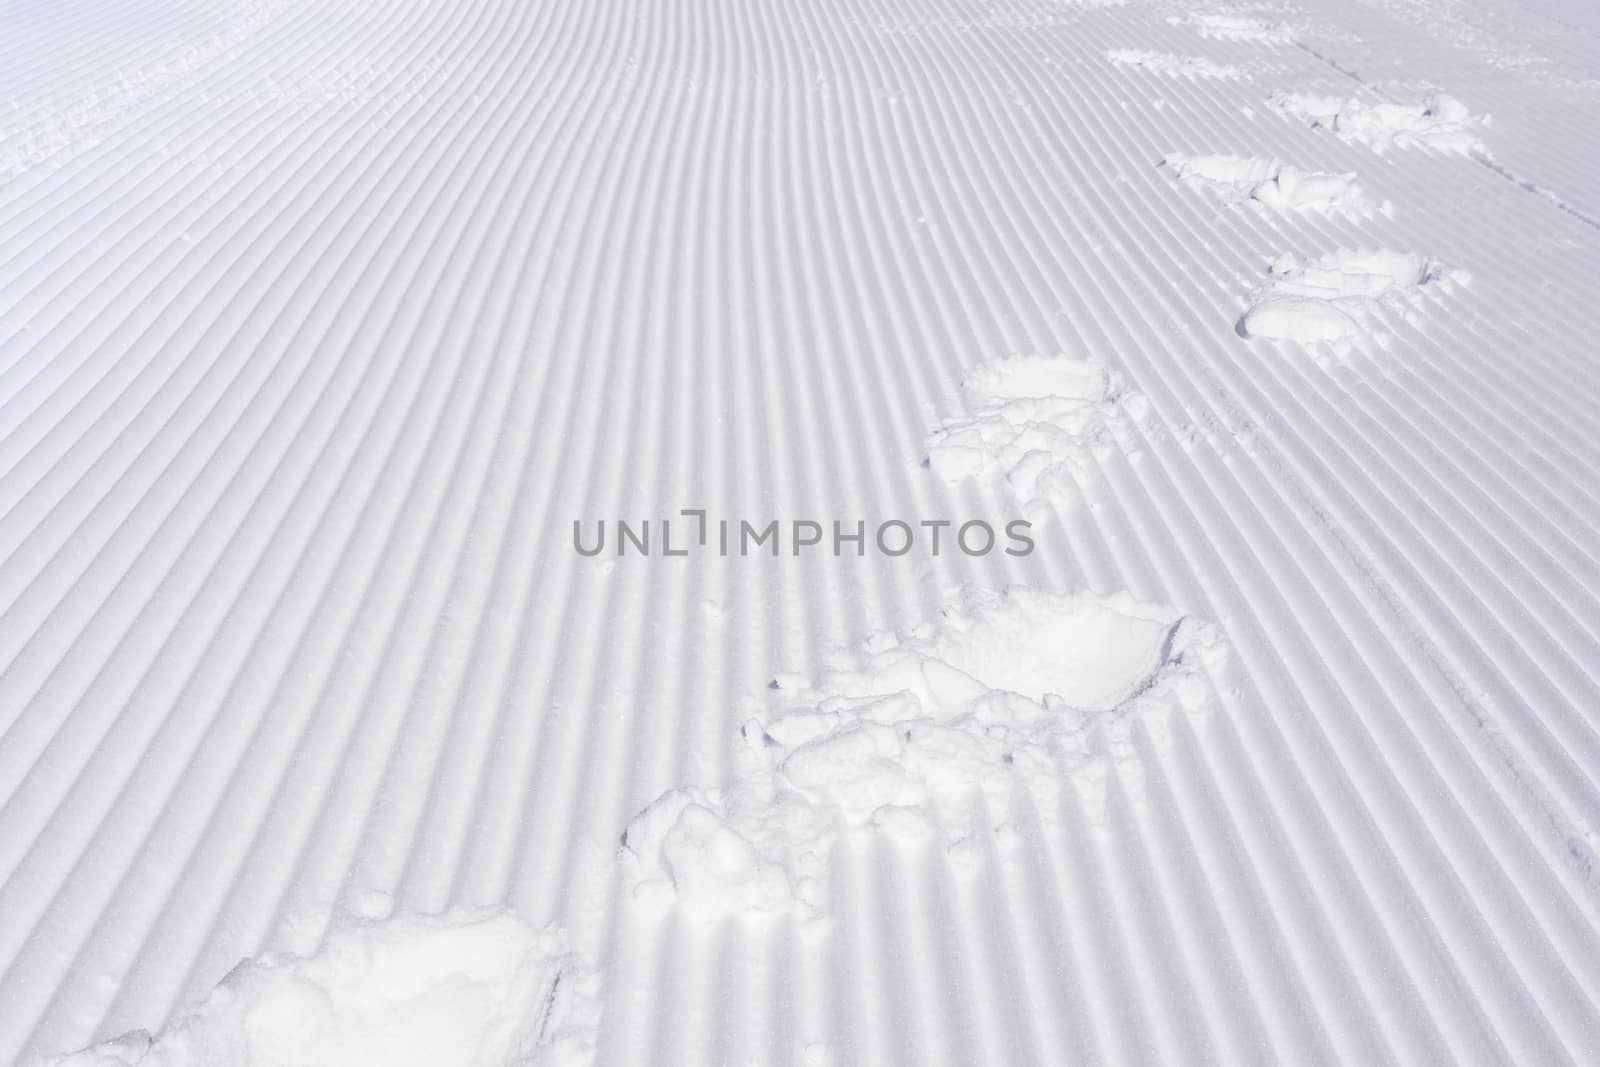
(1268, 183)
(1234, 26)
(1032, 421)
(1335, 298)
(1438, 124)
(466, 988)
(1296, 319)
(934, 730)
(712, 864)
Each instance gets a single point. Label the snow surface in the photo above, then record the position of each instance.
(1032, 420)
(1438, 124)
(937, 727)
(321, 323)
(1165, 63)
(1234, 26)
(1270, 183)
(1337, 296)
(461, 989)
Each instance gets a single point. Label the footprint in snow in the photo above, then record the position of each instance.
(1269, 183)
(1033, 420)
(1438, 124)
(1026, 688)
(1335, 298)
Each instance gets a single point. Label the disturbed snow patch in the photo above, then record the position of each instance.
(933, 735)
(1333, 298)
(1438, 124)
(1033, 419)
(1268, 182)
(1172, 66)
(1227, 26)
(466, 988)
(57, 130)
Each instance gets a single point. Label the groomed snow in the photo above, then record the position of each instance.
(1032, 420)
(1261, 335)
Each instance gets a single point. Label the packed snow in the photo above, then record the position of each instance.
(1234, 26)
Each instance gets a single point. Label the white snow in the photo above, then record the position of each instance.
(466, 988)
(934, 728)
(1234, 26)
(1032, 420)
(1268, 182)
(1336, 296)
(324, 324)
(1173, 66)
(1439, 123)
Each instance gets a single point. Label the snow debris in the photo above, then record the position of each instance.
(1172, 66)
(931, 737)
(1226, 26)
(1438, 124)
(1333, 298)
(1034, 420)
(466, 988)
(1269, 183)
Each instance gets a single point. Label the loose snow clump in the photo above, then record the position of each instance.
(1033, 420)
(1271, 184)
(1335, 298)
(932, 734)
(1438, 124)
(460, 989)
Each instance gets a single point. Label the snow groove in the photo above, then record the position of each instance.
(320, 323)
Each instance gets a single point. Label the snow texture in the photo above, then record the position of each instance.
(1437, 124)
(1338, 296)
(321, 322)
(1032, 420)
(1234, 27)
(465, 988)
(1172, 66)
(930, 736)
(1269, 183)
